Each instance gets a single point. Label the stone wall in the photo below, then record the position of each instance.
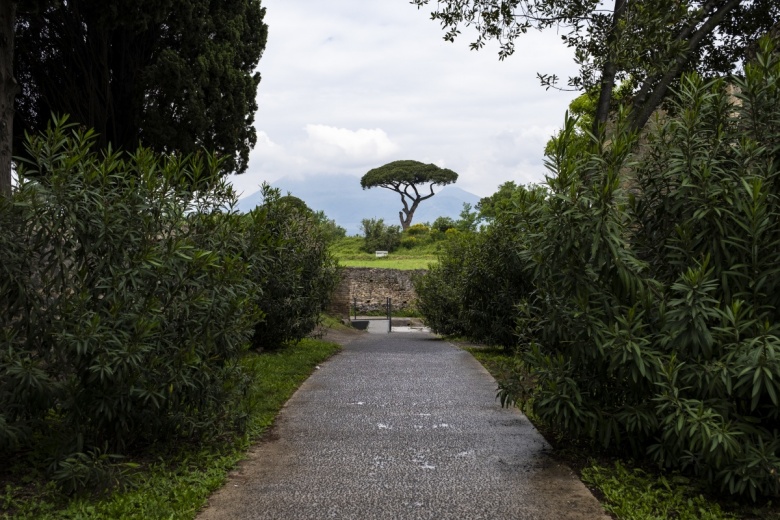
(371, 287)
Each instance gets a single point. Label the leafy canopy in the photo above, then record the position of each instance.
(398, 173)
(173, 75)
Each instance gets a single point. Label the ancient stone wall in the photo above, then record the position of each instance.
(339, 305)
(370, 288)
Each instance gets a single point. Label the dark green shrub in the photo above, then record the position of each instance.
(379, 236)
(442, 224)
(417, 230)
(294, 202)
(290, 261)
(496, 278)
(330, 230)
(474, 289)
(409, 242)
(653, 324)
(124, 302)
(439, 291)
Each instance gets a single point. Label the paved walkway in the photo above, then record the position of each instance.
(401, 426)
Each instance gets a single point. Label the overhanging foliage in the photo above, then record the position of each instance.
(651, 324)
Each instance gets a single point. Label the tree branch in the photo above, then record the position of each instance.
(432, 193)
(647, 86)
(609, 72)
(8, 90)
(643, 109)
(403, 200)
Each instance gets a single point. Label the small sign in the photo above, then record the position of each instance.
(380, 254)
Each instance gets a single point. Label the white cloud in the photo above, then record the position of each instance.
(512, 147)
(265, 147)
(352, 147)
(268, 162)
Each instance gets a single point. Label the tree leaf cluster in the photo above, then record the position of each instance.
(127, 299)
(396, 174)
(172, 75)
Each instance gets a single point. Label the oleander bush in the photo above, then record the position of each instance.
(474, 289)
(130, 290)
(124, 303)
(296, 276)
(653, 325)
(650, 318)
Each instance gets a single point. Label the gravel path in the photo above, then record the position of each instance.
(399, 426)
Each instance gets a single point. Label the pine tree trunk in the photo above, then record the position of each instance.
(406, 220)
(8, 89)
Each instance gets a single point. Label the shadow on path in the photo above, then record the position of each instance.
(398, 426)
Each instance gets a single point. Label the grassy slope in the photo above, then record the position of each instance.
(626, 491)
(347, 251)
(177, 485)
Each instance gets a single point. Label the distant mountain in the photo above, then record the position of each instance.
(343, 200)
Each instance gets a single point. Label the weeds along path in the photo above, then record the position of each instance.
(401, 425)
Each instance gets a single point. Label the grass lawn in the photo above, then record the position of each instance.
(390, 262)
(173, 483)
(347, 251)
(626, 490)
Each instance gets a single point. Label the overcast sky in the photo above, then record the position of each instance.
(349, 85)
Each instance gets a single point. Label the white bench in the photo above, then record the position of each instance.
(380, 254)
